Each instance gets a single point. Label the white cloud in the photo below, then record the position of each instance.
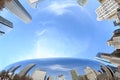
(58, 67)
(60, 8)
(52, 43)
(40, 33)
(48, 47)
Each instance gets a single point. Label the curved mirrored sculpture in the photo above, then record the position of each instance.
(59, 69)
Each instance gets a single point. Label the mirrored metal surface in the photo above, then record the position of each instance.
(61, 69)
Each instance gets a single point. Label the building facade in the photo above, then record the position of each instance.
(16, 8)
(5, 25)
(109, 9)
(33, 3)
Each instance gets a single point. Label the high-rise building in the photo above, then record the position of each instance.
(82, 2)
(114, 57)
(5, 25)
(33, 3)
(6, 22)
(115, 40)
(109, 9)
(16, 8)
(39, 75)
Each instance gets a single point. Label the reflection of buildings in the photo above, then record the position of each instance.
(91, 74)
(50, 78)
(39, 75)
(105, 73)
(75, 76)
(117, 73)
(61, 77)
(26, 70)
(12, 70)
(109, 9)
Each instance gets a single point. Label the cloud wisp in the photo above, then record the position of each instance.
(60, 8)
(51, 42)
(58, 67)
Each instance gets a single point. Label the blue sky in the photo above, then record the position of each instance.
(59, 28)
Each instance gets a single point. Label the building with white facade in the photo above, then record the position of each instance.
(33, 3)
(115, 42)
(16, 8)
(109, 9)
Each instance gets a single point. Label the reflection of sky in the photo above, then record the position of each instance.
(59, 66)
(58, 29)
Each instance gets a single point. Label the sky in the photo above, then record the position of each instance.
(59, 28)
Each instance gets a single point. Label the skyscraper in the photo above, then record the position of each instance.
(33, 3)
(109, 9)
(115, 40)
(5, 25)
(16, 8)
(82, 2)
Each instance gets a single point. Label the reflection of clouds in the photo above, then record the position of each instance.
(58, 67)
